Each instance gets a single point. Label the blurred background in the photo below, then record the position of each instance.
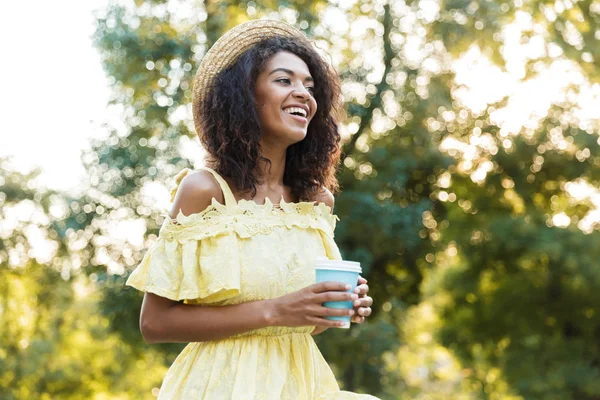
(469, 181)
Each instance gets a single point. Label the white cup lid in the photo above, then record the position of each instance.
(338, 265)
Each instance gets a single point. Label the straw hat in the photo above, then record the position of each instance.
(225, 52)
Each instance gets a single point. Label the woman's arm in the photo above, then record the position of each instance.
(164, 320)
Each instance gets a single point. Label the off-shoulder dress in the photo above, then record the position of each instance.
(233, 253)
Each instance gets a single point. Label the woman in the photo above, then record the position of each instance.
(244, 232)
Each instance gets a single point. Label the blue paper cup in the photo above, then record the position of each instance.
(338, 271)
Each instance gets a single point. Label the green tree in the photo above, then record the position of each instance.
(511, 298)
(54, 341)
(467, 251)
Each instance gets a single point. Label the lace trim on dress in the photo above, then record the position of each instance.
(247, 219)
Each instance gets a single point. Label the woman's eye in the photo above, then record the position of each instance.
(311, 89)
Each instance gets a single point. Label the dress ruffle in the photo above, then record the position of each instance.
(197, 257)
(190, 270)
(247, 219)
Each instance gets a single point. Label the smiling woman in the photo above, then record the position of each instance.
(284, 95)
(275, 73)
(264, 107)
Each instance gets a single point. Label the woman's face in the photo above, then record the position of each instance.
(284, 97)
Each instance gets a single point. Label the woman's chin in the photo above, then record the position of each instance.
(294, 135)
(290, 136)
(298, 136)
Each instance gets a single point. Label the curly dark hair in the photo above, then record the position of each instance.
(231, 127)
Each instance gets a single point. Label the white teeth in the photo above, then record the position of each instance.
(291, 110)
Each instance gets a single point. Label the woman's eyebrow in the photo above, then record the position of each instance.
(290, 72)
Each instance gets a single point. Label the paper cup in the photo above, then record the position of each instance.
(338, 271)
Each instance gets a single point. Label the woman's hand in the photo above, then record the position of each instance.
(305, 307)
(362, 306)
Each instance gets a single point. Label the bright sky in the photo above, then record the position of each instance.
(55, 88)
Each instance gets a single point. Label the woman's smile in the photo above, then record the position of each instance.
(285, 86)
(297, 118)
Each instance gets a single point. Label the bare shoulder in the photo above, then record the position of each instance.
(195, 193)
(325, 196)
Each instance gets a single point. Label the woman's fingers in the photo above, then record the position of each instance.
(361, 289)
(323, 322)
(359, 318)
(335, 296)
(333, 312)
(364, 311)
(330, 291)
(366, 301)
(329, 286)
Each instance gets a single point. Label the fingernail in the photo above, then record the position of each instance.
(348, 287)
(354, 296)
(357, 290)
(357, 303)
(351, 312)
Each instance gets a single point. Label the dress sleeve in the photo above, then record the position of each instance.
(332, 250)
(191, 261)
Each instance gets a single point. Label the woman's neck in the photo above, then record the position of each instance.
(270, 177)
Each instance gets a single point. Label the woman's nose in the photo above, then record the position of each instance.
(302, 93)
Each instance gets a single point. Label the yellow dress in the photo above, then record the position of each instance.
(234, 253)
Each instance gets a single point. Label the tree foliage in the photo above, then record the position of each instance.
(478, 249)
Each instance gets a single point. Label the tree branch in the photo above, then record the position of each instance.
(388, 55)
